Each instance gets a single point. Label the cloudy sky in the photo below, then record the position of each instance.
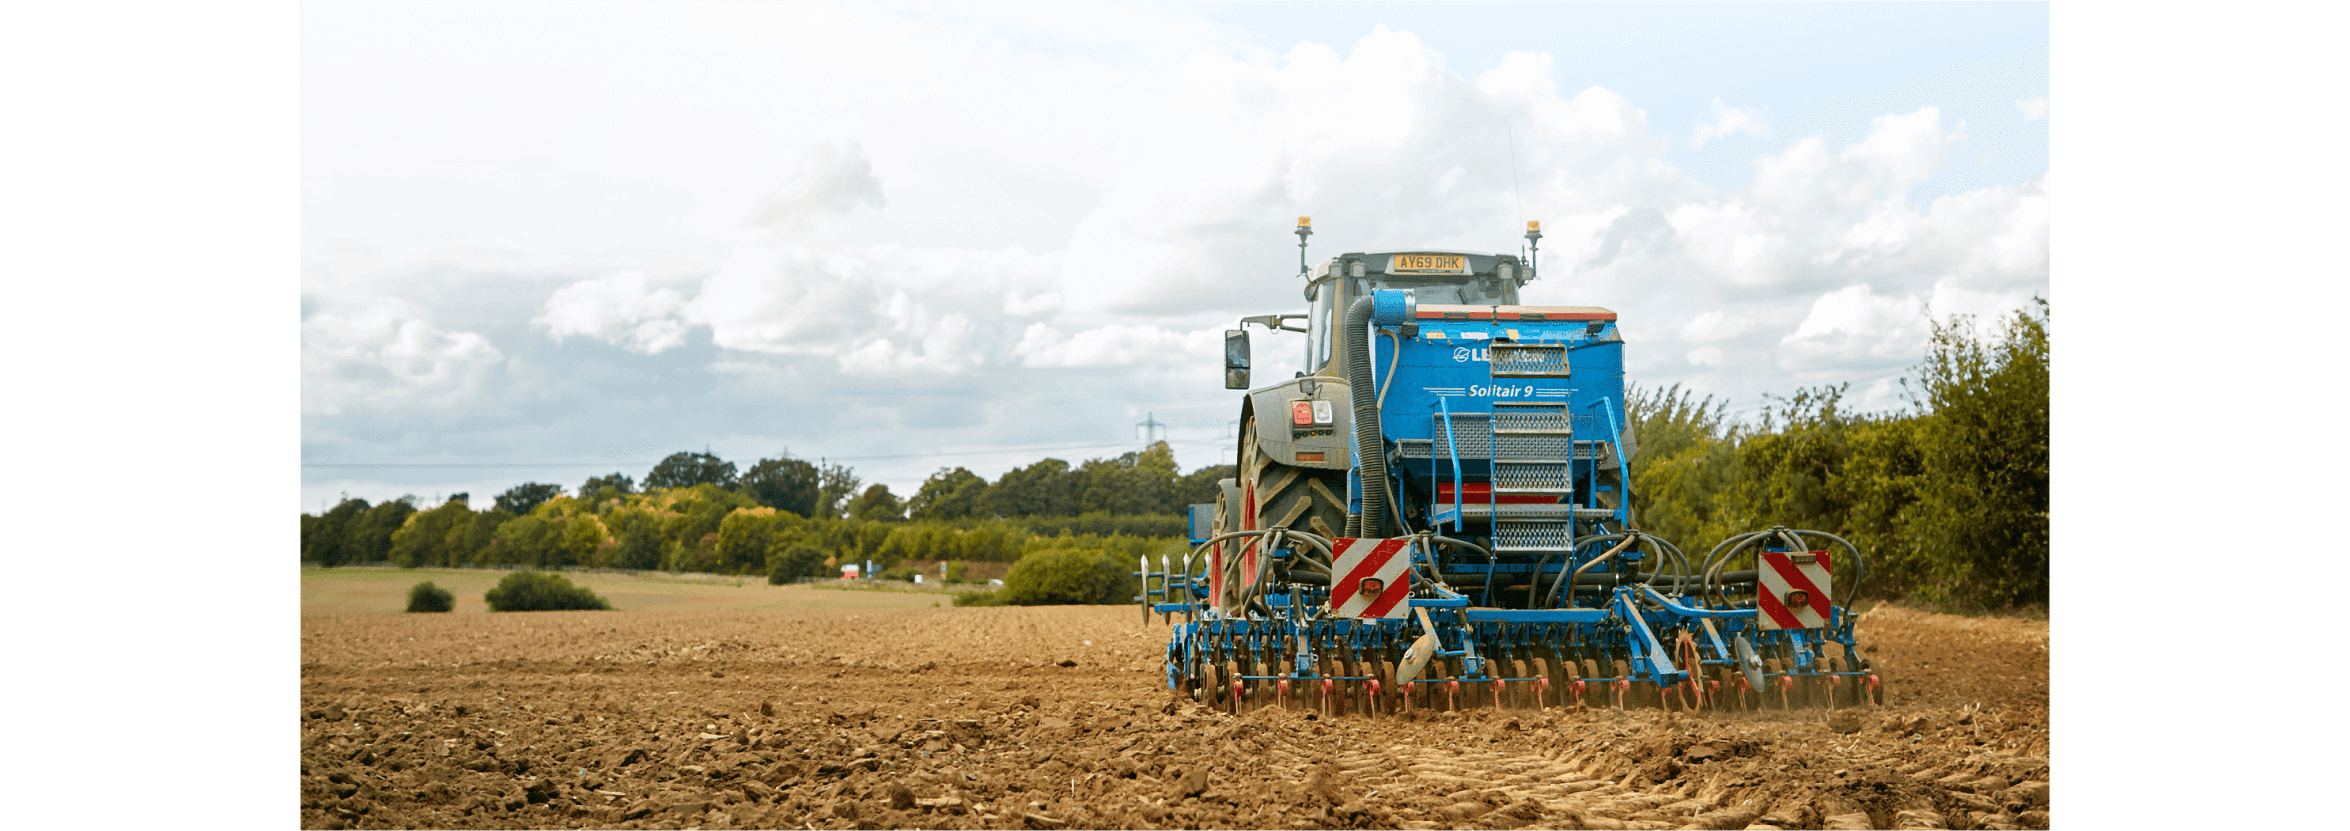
(541, 242)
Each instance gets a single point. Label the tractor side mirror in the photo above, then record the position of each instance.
(1236, 359)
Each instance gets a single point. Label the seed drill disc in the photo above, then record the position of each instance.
(1748, 662)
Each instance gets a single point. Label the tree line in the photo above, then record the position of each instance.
(1946, 498)
(784, 517)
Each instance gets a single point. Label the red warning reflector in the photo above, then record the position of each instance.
(1373, 578)
(1794, 590)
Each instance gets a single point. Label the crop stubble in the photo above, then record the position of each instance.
(967, 718)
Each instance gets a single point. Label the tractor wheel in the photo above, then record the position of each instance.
(1298, 498)
(1227, 562)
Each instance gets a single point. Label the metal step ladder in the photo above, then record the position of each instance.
(1533, 447)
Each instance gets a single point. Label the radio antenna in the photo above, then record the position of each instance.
(1514, 191)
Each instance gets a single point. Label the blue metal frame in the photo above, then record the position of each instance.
(1435, 362)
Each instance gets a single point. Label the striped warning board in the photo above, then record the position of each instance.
(1794, 590)
(1373, 578)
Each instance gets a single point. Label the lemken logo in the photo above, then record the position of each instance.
(1463, 354)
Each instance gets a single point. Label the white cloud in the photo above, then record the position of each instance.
(2034, 108)
(1987, 310)
(1730, 240)
(1854, 328)
(1116, 345)
(1902, 149)
(1727, 120)
(618, 310)
(830, 183)
(1715, 326)
(381, 359)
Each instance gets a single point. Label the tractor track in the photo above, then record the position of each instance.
(968, 718)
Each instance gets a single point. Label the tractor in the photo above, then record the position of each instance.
(1435, 512)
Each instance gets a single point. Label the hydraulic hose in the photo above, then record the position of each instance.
(1557, 586)
(1719, 559)
(1394, 355)
(1370, 443)
(1490, 560)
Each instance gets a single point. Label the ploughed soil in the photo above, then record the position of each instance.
(1058, 718)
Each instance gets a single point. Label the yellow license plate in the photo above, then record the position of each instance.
(1429, 262)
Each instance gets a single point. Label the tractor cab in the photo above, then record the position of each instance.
(1450, 278)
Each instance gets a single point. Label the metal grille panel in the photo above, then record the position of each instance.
(1523, 448)
(1522, 360)
(1475, 433)
(1531, 418)
(1533, 447)
(1531, 477)
(1531, 536)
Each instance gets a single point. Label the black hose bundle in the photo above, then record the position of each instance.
(1370, 444)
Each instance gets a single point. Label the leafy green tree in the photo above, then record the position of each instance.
(1671, 420)
(877, 504)
(699, 511)
(369, 539)
(425, 539)
(478, 538)
(1199, 486)
(523, 498)
(597, 489)
(995, 541)
(1983, 445)
(531, 540)
(785, 484)
(582, 536)
(1133, 483)
(640, 546)
(681, 470)
(835, 484)
(1882, 477)
(951, 493)
(1686, 465)
(1045, 488)
(326, 540)
(743, 539)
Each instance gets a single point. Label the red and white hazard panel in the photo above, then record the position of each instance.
(1374, 577)
(1794, 590)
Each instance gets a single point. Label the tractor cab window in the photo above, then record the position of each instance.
(1478, 291)
(1318, 326)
